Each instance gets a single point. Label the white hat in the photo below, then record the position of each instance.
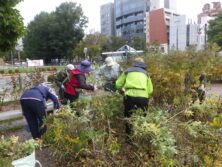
(69, 67)
(109, 61)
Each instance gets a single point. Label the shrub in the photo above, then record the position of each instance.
(43, 69)
(152, 135)
(17, 71)
(2, 71)
(51, 78)
(54, 69)
(174, 132)
(84, 131)
(11, 149)
(10, 71)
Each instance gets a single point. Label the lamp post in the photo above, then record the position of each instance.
(126, 51)
(205, 36)
(177, 39)
(85, 50)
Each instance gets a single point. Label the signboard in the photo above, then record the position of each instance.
(35, 63)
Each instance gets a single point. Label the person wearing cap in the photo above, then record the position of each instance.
(62, 78)
(138, 87)
(34, 106)
(109, 72)
(78, 81)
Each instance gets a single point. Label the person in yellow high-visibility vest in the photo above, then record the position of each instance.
(138, 87)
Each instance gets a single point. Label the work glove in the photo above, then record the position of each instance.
(121, 92)
(62, 87)
(95, 88)
(57, 105)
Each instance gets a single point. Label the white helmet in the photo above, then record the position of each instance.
(69, 67)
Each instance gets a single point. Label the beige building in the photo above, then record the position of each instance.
(209, 10)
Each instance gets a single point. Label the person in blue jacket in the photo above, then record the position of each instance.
(33, 108)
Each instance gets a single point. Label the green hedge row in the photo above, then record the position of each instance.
(27, 70)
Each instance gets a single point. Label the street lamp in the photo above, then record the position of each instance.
(85, 50)
(205, 36)
(177, 38)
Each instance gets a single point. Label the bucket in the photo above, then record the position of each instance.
(28, 161)
(85, 97)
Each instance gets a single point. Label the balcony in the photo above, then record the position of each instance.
(132, 19)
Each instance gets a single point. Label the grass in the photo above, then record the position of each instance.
(8, 130)
(10, 120)
(9, 102)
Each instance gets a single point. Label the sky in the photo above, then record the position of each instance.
(91, 8)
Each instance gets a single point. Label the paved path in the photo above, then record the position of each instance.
(18, 113)
(10, 114)
(215, 89)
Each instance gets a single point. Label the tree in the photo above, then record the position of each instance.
(78, 54)
(114, 43)
(37, 41)
(96, 38)
(11, 25)
(215, 30)
(94, 52)
(54, 35)
(93, 41)
(138, 43)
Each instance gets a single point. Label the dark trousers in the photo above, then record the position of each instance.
(133, 103)
(34, 112)
(61, 93)
(69, 97)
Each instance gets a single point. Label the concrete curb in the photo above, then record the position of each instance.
(10, 115)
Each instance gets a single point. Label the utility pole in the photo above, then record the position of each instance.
(205, 36)
(177, 38)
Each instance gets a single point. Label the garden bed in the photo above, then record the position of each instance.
(10, 106)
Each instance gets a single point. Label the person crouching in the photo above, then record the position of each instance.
(34, 108)
(78, 81)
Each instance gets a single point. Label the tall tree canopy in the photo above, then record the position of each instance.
(54, 35)
(138, 43)
(215, 30)
(114, 43)
(96, 38)
(93, 43)
(11, 25)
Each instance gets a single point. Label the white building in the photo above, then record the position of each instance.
(192, 34)
(202, 36)
(184, 33)
(168, 4)
(178, 33)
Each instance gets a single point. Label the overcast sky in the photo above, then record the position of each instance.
(30, 8)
